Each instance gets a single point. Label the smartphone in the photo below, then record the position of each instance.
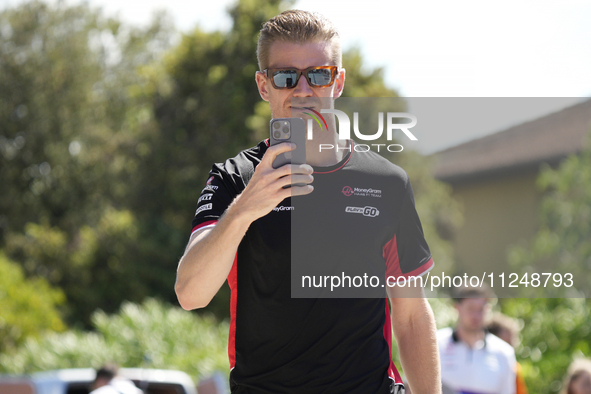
(289, 130)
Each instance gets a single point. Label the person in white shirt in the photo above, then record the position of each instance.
(107, 382)
(474, 361)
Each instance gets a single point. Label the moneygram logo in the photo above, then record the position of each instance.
(283, 208)
(365, 211)
(357, 191)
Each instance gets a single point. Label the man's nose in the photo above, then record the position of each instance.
(302, 89)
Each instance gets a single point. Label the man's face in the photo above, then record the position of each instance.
(471, 313)
(300, 56)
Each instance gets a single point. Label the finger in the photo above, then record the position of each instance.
(290, 180)
(301, 169)
(296, 191)
(301, 179)
(287, 169)
(274, 151)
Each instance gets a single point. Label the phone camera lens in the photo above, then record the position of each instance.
(276, 134)
(276, 125)
(286, 129)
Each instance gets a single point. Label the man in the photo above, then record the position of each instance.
(280, 344)
(474, 361)
(107, 382)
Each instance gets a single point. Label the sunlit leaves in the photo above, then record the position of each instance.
(150, 335)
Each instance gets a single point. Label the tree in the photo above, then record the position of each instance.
(562, 243)
(555, 330)
(70, 138)
(28, 308)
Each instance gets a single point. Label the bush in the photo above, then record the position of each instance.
(150, 335)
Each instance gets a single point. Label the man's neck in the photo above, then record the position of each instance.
(470, 337)
(326, 149)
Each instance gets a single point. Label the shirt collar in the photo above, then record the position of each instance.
(456, 338)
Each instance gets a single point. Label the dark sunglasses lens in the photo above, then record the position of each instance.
(320, 76)
(284, 78)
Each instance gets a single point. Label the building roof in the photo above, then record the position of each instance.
(544, 140)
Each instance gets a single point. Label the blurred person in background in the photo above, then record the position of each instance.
(578, 378)
(507, 329)
(473, 361)
(107, 382)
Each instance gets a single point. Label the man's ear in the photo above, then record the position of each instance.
(262, 84)
(339, 83)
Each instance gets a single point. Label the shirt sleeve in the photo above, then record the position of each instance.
(215, 198)
(407, 253)
(510, 378)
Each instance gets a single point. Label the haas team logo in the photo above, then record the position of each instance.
(347, 191)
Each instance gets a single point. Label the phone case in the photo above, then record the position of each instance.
(297, 135)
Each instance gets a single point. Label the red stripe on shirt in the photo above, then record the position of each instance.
(197, 227)
(421, 270)
(390, 254)
(232, 282)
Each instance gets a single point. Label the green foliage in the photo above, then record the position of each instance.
(556, 330)
(563, 242)
(64, 103)
(71, 138)
(28, 307)
(444, 311)
(151, 335)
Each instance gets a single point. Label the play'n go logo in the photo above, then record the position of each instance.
(371, 212)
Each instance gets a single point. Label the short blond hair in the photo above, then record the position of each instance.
(298, 26)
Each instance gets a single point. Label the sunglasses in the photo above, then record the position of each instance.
(287, 78)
